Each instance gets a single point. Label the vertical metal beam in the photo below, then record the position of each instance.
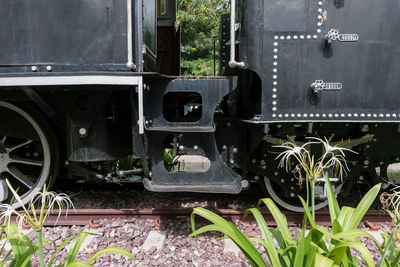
(129, 33)
(140, 105)
(233, 63)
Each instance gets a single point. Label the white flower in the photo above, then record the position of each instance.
(330, 149)
(291, 149)
(6, 212)
(53, 200)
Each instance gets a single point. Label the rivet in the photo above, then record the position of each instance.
(273, 115)
(381, 115)
(274, 109)
(49, 68)
(342, 115)
(275, 43)
(368, 115)
(361, 178)
(366, 162)
(305, 115)
(295, 37)
(330, 115)
(228, 124)
(319, 17)
(355, 115)
(320, 3)
(317, 115)
(34, 68)
(275, 57)
(286, 115)
(323, 115)
(312, 115)
(280, 115)
(362, 115)
(315, 36)
(195, 147)
(388, 115)
(235, 150)
(282, 37)
(394, 115)
(336, 115)
(301, 37)
(231, 161)
(318, 30)
(292, 115)
(274, 90)
(374, 115)
(275, 63)
(274, 96)
(288, 37)
(276, 37)
(275, 50)
(291, 194)
(299, 115)
(274, 70)
(275, 77)
(82, 131)
(275, 83)
(308, 37)
(253, 161)
(319, 24)
(274, 103)
(181, 147)
(319, 10)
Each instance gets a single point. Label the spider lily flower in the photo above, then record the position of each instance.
(335, 149)
(51, 200)
(6, 211)
(291, 150)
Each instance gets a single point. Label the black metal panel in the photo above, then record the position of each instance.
(295, 53)
(83, 34)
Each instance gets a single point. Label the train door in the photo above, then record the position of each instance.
(168, 36)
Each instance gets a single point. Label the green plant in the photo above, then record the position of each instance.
(23, 249)
(390, 248)
(320, 247)
(171, 161)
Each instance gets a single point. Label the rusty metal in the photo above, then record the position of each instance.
(92, 216)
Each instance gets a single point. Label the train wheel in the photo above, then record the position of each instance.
(28, 152)
(290, 201)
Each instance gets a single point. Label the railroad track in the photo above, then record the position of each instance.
(90, 216)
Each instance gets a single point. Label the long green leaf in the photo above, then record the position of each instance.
(75, 248)
(279, 218)
(345, 215)
(362, 208)
(270, 245)
(114, 250)
(307, 212)
(366, 255)
(323, 261)
(79, 264)
(332, 201)
(229, 229)
(57, 249)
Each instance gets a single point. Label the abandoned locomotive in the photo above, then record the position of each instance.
(84, 82)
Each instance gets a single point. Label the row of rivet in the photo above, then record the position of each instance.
(275, 50)
(336, 115)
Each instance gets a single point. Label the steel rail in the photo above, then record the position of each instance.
(83, 216)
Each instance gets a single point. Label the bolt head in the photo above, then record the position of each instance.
(82, 131)
(181, 147)
(49, 68)
(34, 68)
(195, 147)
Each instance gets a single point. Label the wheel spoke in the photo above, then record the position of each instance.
(17, 174)
(20, 145)
(27, 161)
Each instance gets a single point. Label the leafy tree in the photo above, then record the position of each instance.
(199, 20)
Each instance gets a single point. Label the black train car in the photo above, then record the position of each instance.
(83, 82)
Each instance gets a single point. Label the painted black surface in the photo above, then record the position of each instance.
(368, 68)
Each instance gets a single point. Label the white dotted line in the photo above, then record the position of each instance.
(337, 115)
(321, 19)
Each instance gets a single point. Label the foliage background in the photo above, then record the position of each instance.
(199, 21)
